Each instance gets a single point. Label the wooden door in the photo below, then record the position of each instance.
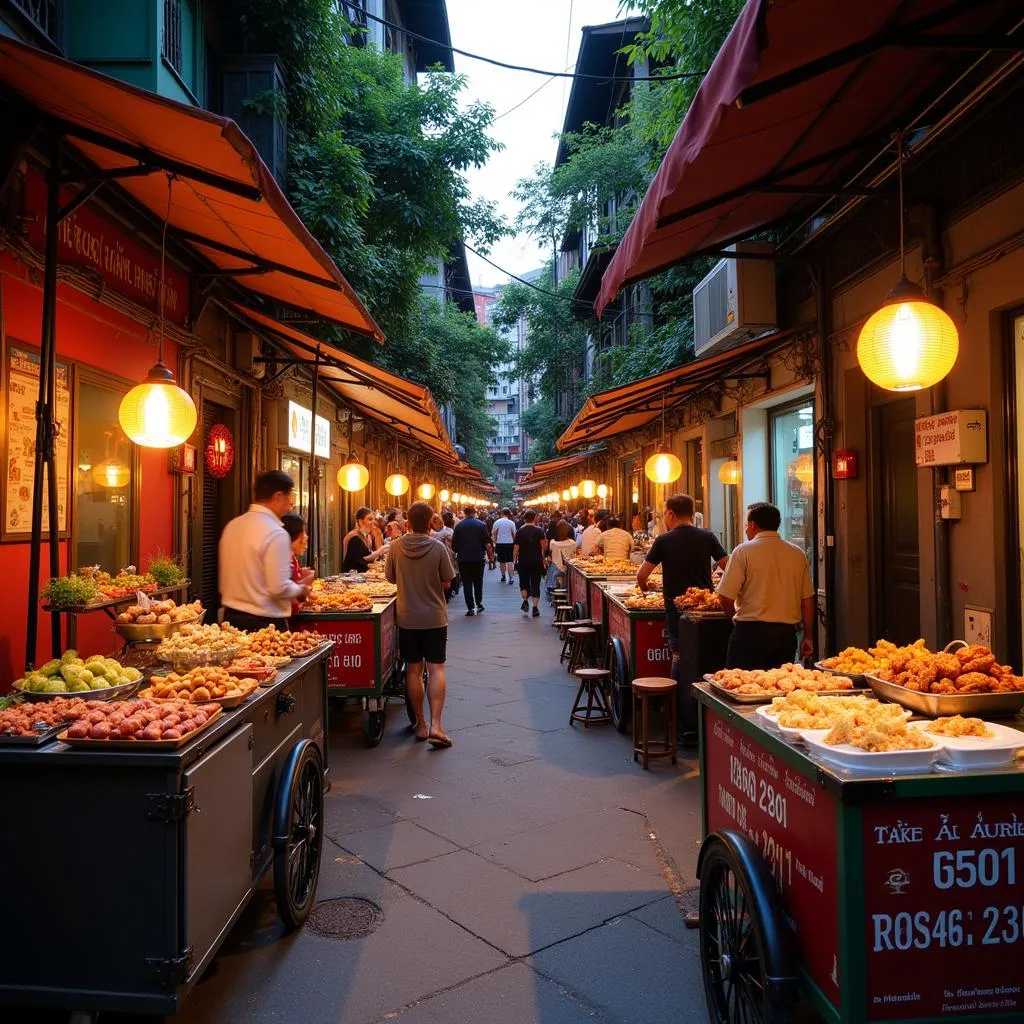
(896, 604)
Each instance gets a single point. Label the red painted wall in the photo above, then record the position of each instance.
(99, 337)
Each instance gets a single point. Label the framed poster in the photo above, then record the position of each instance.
(21, 390)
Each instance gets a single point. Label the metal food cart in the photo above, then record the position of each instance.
(127, 869)
(877, 897)
(364, 661)
(583, 588)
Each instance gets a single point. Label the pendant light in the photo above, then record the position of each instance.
(602, 491)
(909, 343)
(663, 467)
(565, 494)
(111, 472)
(574, 492)
(588, 488)
(353, 475)
(729, 473)
(425, 492)
(396, 484)
(445, 494)
(157, 413)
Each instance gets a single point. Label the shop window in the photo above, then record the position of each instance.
(104, 469)
(298, 469)
(791, 436)
(47, 16)
(179, 39)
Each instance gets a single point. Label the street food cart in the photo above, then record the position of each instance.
(364, 660)
(583, 588)
(879, 894)
(128, 866)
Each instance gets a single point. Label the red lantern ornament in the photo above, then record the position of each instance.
(220, 451)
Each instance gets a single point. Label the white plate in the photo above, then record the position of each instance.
(866, 760)
(795, 735)
(768, 720)
(978, 751)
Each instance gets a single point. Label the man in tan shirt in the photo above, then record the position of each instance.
(614, 542)
(767, 591)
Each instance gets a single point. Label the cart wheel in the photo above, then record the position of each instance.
(298, 833)
(619, 691)
(745, 956)
(373, 727)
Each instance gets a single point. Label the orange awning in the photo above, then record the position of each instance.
(635, 405)
(226, 204)
(549, 467)
(405, 407)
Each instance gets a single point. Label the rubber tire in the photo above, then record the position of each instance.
(301, 756)
(374, 724)
(731, 853)
(620, 690)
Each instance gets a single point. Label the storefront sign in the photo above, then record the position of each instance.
(300, 422)
(88, 239)
(951, 438)
(944, 907)
(793, 822)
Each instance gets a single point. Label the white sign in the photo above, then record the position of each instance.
(951, 438)
(300, 421)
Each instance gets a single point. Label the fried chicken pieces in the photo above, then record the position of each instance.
(784, 679)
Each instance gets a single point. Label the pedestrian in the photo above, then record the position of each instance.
(685, 553)
(504, 536)
(491, 557)
(421, 568)
(549, 530)
(470, 543)
(357, 546)
(528, 553)
(254, 559)
(613, 541)
(582, 522)
(295, 526)
(562, 548)
(589, 537)
(445, 534)
(767, 592)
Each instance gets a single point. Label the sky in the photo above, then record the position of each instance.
(537, 33)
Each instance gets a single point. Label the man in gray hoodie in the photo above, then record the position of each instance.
(422, 569)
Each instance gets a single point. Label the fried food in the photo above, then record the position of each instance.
(281, 643)
(31, 719)
(775, 681)
(200, 684)
(879, 735)
(803, 709)
(639, 601)
(141, 720)
(957, 725)
(348, 601)
(699, 600)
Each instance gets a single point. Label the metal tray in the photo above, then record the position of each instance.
(224, 702)
(110, 693)
(857, 677)
(153, 631)
(936, 705)
(696, 614)
(765, 696)
(119, 744)
(42, 736)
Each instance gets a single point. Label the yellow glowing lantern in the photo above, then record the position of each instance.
(425, 492)
(157, 413)
(396, 484)
(565, 494)
(444, 494)
(729, 473)
(602, 491)
(353, 476)
(574, 492)
(588, 488)
(636, 497)
(111, 473)
(663, 468)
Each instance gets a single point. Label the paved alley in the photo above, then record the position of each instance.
(532, 872)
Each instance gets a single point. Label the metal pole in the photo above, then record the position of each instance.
(314, 477)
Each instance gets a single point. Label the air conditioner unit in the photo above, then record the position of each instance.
(735, 302)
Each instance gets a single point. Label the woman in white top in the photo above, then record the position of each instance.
(561, 548)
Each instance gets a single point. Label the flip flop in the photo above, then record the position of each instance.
(439, 742)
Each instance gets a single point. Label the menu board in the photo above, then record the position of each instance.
(22, 392)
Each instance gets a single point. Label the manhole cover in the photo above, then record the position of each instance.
(348, 918)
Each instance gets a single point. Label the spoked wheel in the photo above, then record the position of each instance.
(744, 950)
(619, 690)
(298, 833)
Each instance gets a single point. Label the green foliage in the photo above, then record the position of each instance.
(544, 427)
(69, 591)
(165, 570)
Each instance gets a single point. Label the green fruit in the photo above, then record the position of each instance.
(95, 662)
(55, 685)
(99, 683)
(132, 675)
(68, 656)
(112, 665)
(70, 672)
(85, 676)
(78, 687)
(51, 668)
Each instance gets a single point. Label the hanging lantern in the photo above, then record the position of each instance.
(636, 497)
(220, 451)
(602, 491)
(353, 476)
(396, 484)
(111, 473)
(729, 473)
(588, 488)
(565, 494)
(444, 495)
(574, 492)
(157, 413)
(908, 344)
(425, 492)
(663, 468)
(803, 468)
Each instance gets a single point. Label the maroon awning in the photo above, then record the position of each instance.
(797, 94)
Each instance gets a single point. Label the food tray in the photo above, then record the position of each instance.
(119, 744)
(795, 734)
(153, 631)
(977, 751)
(110, 693)
(224, 702)
(200, 659)
(765, 696)
(938, 705)
(873, 761)
(697, 613)
(42, 736)
(857, 677)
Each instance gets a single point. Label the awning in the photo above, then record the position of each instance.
(551, 467)
(633, 406)
(797, 95)
(405, 407)
(226, 204)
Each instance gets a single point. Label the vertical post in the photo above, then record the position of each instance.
(314, 475)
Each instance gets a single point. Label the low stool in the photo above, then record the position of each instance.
(583, 650)
(644, 690)
(558, 595)
(563, 633)
(590, 706)
(562, 612)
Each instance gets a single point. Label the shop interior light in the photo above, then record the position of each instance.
(574, 492)
(602, 491)
(425, 492)
(662, 467)
(588, 488)
(353, 476)
(803, 468)
(111, 473)
(636, 497)
(909, 343)
(396, 484)
(729, 473)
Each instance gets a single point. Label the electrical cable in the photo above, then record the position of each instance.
(525, 100)
(529, 284)
(532, 71)
(568, 43)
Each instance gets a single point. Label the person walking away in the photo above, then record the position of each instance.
(419, 565)
(254, 559)
(504, 535)
(685, 553)
(528, 553)
(295, 526)
(492, 561)
(589, 537)
(470, 542)
(357, 550)
(767, 591)
(614, 542)
(560, 550)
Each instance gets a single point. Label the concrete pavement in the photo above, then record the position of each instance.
(532, 873)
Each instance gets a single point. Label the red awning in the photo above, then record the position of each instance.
(797, 95)
(226, 204)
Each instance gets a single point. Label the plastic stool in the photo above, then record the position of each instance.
(643, 690)
(594, 709)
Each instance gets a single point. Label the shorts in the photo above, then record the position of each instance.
(423, 645)
(503, 552)
(529, 579)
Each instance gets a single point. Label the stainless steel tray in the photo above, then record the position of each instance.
(765, 696)
(857, 677)
(40, 737)
(937, 705)
(122, 690)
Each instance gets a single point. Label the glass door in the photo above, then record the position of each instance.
(791, 433)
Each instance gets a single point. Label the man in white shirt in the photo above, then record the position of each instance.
(615, 542)
(255, 559)
(504, 534)
(592, 532)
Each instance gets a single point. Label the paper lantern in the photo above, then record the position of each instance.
(157, 413)
(353, 476)
(602, 491)
(444, 495)
(908, 344)
(663, 468)
(111, 473)
(425, 492)
(574, 492)
(565, 494)
(588, 488)
(729, 473)
(396, 484)
(220, 451)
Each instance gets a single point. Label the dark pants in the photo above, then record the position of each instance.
(761, 645)
(529, 578)
(251, 623)
(684, 687)
(472, 574)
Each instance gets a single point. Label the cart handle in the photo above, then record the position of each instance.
(955, 645)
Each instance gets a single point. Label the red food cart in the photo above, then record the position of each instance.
(583, 588)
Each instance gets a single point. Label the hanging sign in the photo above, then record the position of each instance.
(300, 423)
(951, 438)
(220, 451)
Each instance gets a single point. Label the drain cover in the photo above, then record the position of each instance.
(348, 918)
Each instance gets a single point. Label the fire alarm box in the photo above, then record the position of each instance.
(844, 464)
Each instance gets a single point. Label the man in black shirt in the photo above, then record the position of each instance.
(470, 544)
(528, 551)
(685, 553)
